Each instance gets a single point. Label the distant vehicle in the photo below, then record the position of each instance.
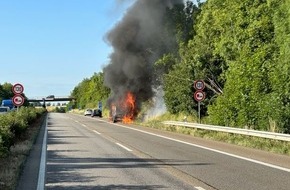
(4, 109)
(96, 112)
(50, 97)
(88, 112)
(7, 103)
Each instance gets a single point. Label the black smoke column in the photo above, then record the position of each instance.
(138, 40)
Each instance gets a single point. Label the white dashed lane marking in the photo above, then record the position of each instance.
(126, 148)
(96, 132)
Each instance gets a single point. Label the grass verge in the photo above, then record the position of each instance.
(12, 164)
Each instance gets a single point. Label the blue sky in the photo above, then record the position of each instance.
(49, 46)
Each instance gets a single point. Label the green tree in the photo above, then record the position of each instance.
(7, 91)
(197, 61)
(177, 70)
(90, 91)
(246, 44)
(178, 91)
(280, 76)
(1, 93)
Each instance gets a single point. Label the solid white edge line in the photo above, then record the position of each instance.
(96, 132)
(210, 149)
(199, 188)
(42, 166)
(124, 147)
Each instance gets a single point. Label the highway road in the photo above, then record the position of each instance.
(92, 153)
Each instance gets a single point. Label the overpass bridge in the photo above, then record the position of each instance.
(51, 99)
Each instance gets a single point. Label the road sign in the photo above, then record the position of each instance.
(199, 95)
(199, 85)
(18, 100)
(17, 88)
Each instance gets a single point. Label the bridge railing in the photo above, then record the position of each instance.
(51, 99)
(263, 134)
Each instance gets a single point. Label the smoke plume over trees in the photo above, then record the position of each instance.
(138, 40)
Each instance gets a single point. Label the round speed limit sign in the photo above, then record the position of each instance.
(199, 85)
(17, 88)
(199, 95)
(18, 100)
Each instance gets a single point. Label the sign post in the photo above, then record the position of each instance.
(17, 99)
(198, 105)
(199, 95)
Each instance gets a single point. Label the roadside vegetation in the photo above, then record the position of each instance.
(89, 92)
(18, 131)
(239, 49)
(275, 146)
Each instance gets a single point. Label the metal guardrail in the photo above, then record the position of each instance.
(263, 134)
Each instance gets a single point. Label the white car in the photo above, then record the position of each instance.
(88, 112)
(4, 109)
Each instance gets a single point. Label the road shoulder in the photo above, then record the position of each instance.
(29, 175)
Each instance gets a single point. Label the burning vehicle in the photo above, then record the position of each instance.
(138, 41)
(124, 109)
(114, 115)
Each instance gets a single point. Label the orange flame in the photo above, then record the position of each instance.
(129, 106)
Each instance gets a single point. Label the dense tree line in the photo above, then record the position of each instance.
(89, 92)
(6, 91)
(239, 48)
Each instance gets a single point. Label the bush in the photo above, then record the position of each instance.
(6, 135)
(14, 124)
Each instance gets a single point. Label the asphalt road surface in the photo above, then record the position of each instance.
(92, 153)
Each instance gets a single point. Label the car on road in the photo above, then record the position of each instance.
(50, 97)
(115, 114)
(88, 112)
(96, 112)
(117, 117)
(4, 109)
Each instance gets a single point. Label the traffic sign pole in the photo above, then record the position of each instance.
(199, 95)
(198, 111)
(17, 99)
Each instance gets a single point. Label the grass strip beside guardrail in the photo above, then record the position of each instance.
(262, 134)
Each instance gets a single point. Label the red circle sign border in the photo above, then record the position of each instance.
(14, 100)
(195, 82)
(15, 85)
(195, 95)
